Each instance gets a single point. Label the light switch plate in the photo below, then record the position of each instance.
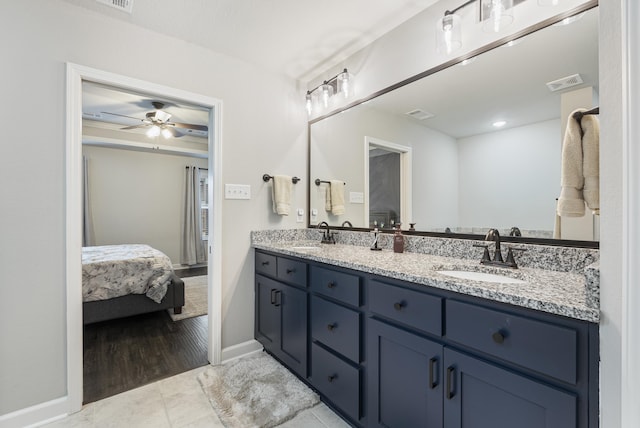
(300, 215)
(314, 215)
(237, 191)
(356, 197)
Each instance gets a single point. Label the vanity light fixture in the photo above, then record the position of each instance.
(497, 14)
(449, 30)
(320, 96)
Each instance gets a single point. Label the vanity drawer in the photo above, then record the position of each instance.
(537, 345)
(337, 285)
(266, 264)
(336, 327)
(413, 308)
(292, 271)
(337, 380)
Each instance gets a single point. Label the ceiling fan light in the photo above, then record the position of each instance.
(153, 132)
(166, 133)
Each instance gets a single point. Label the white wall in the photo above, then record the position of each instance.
(136, 197)
(263, 131)
(510, 174)
(338, 145)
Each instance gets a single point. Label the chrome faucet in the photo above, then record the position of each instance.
(327, 235)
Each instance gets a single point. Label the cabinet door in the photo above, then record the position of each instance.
(405, 378)
(293, 340)
(479, 395)
(267, 324)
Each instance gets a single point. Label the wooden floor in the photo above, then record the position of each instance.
(124, 354)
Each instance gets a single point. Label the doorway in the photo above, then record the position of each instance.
(76, 74)
(387, 183)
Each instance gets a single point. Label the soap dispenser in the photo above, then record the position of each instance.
(398, 240)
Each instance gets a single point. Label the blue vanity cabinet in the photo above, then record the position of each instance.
(479, 394)
(336, 339)
(281, 312)
(405, 378)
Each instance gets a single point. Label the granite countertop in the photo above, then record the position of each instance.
(560, 293)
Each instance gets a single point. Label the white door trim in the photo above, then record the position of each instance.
(73, 205)
(406, 172)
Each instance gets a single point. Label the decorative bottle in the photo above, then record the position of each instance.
(398, 240)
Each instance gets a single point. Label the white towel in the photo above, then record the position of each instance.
(281, 191)
(336, 190)
(580, 166)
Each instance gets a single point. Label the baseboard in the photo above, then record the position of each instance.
(37, 415)
(240, 350)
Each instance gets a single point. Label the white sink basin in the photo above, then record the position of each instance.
(480, 276)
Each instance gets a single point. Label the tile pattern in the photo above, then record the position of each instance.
(562, 291)
(176, 402)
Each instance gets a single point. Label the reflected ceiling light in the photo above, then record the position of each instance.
(449, 31)
(497, 14)
(320, 96)
(512, 43)
(569, 20)
(166, 133)
(468, 61)
(499, 123)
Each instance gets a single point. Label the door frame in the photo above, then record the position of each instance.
(405, 176)
(73, 212)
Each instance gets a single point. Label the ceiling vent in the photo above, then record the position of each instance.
(419, 114)
(123, 5)
(564, 83)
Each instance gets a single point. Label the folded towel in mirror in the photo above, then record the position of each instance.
(336, 190)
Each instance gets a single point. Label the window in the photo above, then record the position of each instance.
(203, 177)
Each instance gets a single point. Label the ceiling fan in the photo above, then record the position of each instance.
(158, 123)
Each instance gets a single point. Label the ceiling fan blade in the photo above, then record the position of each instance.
(174, 132)
(134, 126)
(190, 126)
(122, 115)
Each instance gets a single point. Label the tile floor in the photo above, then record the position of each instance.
(175, 402)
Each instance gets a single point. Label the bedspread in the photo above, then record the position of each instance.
(110, 271)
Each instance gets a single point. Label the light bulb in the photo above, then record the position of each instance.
(166, 133)
(326, 91)
(344, 83)
(498, 14)
(153, 132)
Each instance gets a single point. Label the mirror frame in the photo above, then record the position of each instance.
(525, 240)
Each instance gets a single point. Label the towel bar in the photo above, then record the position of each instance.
(318, 182)
(267, 177)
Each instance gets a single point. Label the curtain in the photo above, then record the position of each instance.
(88, 237)
(193, 249)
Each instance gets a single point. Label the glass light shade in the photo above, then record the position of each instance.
(548, 2)
(154, 131)
(309, 103)
(166, 133)
(497, 14)
(326, 92)
(345, 83)
(448, 34)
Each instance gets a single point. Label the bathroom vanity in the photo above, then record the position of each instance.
(388, 340)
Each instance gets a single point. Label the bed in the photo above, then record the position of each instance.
(124, 280)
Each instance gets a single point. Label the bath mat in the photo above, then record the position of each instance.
(255, 391)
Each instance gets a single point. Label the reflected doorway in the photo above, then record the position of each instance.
(387, 183)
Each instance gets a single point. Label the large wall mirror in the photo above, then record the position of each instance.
(435, 153)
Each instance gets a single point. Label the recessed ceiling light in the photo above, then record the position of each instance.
(499, 123)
